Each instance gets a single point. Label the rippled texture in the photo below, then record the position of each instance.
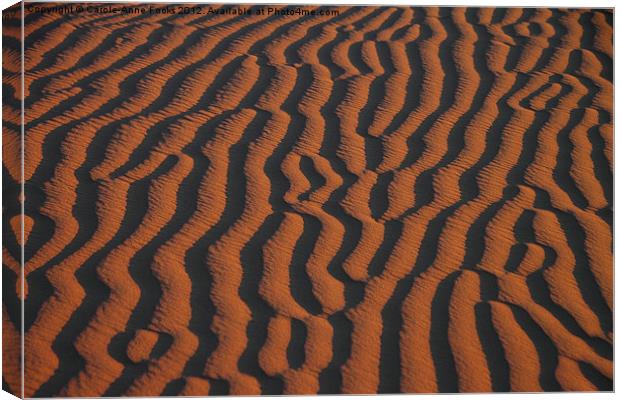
(384, 200)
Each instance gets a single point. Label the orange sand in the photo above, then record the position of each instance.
(384, 200)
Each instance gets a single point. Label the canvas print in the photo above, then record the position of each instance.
(209, 199)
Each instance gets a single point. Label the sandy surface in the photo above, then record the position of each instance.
(375, 200)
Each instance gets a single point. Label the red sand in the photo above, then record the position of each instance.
(426, 191)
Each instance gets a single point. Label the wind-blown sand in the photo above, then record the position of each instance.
(384, 199)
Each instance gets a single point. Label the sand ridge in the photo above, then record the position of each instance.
(383, 199)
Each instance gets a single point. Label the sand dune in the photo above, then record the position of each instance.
(374, 199)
